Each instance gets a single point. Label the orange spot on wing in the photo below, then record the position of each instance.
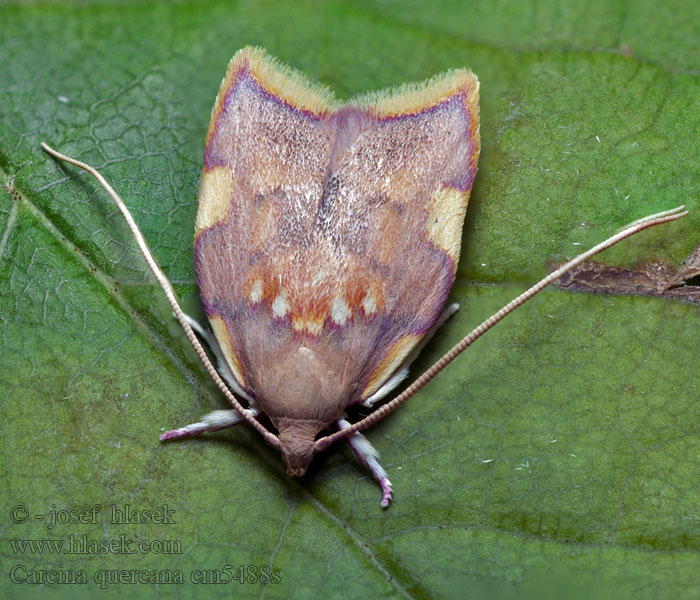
(215, 197)
(223, 337)
(391, 362)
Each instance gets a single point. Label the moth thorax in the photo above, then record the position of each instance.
(297, 438)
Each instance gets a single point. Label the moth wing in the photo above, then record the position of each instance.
(328, 238)
(266, 156)
(403, 187)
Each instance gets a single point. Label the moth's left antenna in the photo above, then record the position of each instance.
(164, 283)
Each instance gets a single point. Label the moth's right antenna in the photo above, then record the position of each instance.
(631, 229)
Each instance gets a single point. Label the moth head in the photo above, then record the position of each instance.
(297, 438)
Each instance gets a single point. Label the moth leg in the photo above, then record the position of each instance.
(369, 456)
(402, 372)
(221, 364)
(214, 421)
(204, 334)
(391, 383)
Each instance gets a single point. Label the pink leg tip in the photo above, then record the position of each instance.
(173, 434)
(386, 491)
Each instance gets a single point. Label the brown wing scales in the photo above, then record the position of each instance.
(328, 236)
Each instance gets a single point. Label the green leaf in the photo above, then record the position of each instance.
(560, 453)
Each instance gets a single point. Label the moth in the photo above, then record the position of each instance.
(327, 240)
